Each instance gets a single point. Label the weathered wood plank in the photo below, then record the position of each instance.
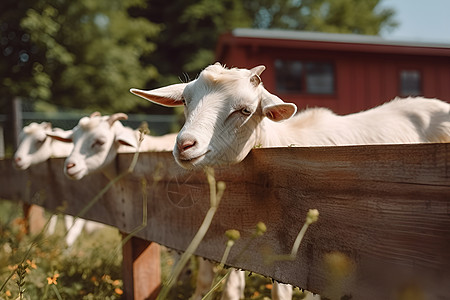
(384, 223)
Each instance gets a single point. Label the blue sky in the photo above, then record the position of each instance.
(419, 20)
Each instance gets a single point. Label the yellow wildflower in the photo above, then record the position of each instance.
(52, 280)
(255, 295)
(106, 278)
(12, 268)
(31, 263)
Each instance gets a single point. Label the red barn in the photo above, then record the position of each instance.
(344, 72)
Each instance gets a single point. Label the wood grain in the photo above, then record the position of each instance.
(383, 230)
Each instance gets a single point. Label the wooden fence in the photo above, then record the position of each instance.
(383, 230)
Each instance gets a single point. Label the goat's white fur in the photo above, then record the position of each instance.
(228, 112)
(36, 147)
(97, 140)
(204, 280)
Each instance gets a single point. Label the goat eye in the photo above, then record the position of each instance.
(246, 111)
(98, 143)
(184, 101)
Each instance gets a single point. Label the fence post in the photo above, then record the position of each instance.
(17, 122)
(33, 214)
(141, 269)
(2, 143)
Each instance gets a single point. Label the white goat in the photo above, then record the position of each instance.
(36, 147)
(97, 140)
(228, 112)
(225, 113)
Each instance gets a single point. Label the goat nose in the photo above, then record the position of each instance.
(70, 166)
(17, 159)
(186, 144)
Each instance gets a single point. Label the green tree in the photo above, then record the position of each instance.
(81, 54)
(340, 16)
(87, 54)
(189, 33)
(191, 28)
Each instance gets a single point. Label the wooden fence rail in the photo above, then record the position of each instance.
(384, 225)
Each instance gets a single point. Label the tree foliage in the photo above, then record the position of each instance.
(189, 32)
(80, 54)
(334, 16)
(87, 54)
(190, 28)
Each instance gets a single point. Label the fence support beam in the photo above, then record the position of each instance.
(141, 269)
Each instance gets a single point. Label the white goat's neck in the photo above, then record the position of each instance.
(60, 149)
(157, 143)
(273, 134)
(312, 127)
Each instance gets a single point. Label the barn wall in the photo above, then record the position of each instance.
(365, 76)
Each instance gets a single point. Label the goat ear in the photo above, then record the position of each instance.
(127, 138)
(280, 112)
(61, 135)
(127, 141)
(258, 70)
(275, 109)
(255, 80)
(171, 95)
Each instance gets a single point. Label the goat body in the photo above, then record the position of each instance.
(400, 121)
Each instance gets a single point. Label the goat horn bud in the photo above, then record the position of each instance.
(47, 125)
(95, 114)
(115, 117)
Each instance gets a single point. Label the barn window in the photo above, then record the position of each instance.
(410, 83)
(305, 77)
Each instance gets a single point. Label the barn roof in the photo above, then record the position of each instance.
(329, 37)
(329, 41)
